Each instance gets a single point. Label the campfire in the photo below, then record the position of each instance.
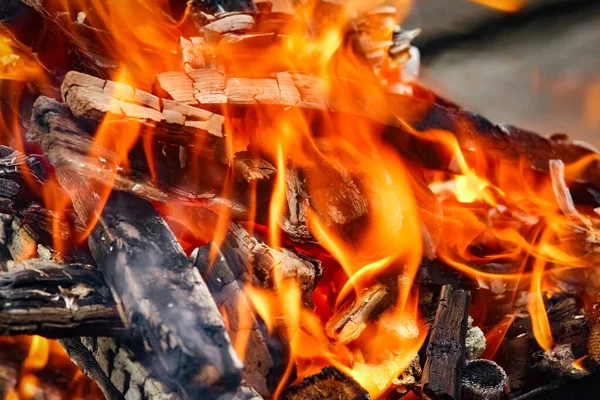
(219, 199)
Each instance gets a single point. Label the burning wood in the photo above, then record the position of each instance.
(348, 323)
(44, 298)
(326, 384)
(323, 205)
(446, 348)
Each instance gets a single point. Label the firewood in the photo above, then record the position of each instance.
(253, 168)
(484, 380)
(505, 144)
(338, 200)
(263, 364)
(205, 87)
(526, 364)
(263, 265)
(93, 98)
(66, 143)
(329, 383)
(446, 348)
(228, 23)
(116, 370)
(161, 296)
(215, 7)
(53, 300)
(23, 242)
(348, 323)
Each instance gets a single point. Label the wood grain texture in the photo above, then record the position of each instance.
(39, 297)
(162, 298)
(93, 98)
(446, 348)
(262, 362)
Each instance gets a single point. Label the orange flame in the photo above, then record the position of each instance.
(503, 5)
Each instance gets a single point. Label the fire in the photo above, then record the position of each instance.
(367, 208)
(502, 5)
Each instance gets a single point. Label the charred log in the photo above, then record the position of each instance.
(115, 369)
(52, 300)
(92, 98)
(329, 383)
(161, 296)
(264, 362)
(253, 261)
(446, 348)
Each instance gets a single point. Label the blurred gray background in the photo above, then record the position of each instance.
(537, 68)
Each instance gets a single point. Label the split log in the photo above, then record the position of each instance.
(262, 265)
(161, 296)
(67, 144)
(329, 383)
(351, 320)
(92, 98)
(39, 297)
(115, 369)
(205, 87)
(264, 363)
(446, 348)
(484, 380)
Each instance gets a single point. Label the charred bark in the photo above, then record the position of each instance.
(162, 298)
(446, 348)
(115, 369)
(262, 265)
(264, 360)
(40, 297)
(329, 383)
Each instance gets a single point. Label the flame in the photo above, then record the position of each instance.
(503, 5)
(366, 207)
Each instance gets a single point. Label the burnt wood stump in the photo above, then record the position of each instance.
(446, 348)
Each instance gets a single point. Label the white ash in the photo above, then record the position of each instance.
(561, 358)
(410, 378)
(475, 342)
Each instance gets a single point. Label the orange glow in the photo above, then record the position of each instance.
(502, 5)
(578, 364)
(367, 207)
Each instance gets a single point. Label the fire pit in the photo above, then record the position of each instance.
(216, 200)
